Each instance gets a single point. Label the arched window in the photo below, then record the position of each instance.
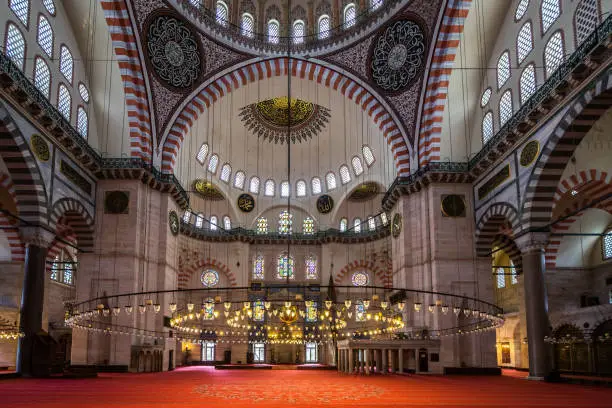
(521, 8)
(64, 102)
(258, 267)
(357, 166)
(285, 267)
(486, 96)
(360, 278)
(324, 26)
(273, 31)
(221, 13)
(487, 127)
(285, 223)
(586, 20)
(50, 6)
(63, 268)
(187, 217)
(330, 179)
(375, 4)
(247, 25)
(44, 37)
(527, 83)
(213, 163)
(371, 223)
(239, 179)
(524, 42)
(350, 15)
(208, 307)
(227, 222)
(285, 189)
(311, 267)
(500, 277)
(269, 188)
(343, 224)
(357, 225)
(209, 278)
(298, 32)
(505, 107)
(254, 185)
(345, 175)
(195, 3)
(308, 226)
(316, 185)
(66, 63)
(21, 8)
(259, 311)
(262, 225)
(514, 276)
(82, 123)
(226, 173)
(553, 53)
(360, 310)
(213, 223)
(84, 92)
(368, 155)
(199, 220)
(383, 218)
(311, 317)
(42, 76)
(14, 45)
(606, 244)
(202, 153)
(503, 69)
(300, 188)
(550, 11)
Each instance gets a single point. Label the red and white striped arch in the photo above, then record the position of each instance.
(436, 90)
(8, 225)
(126, 51)
(279, 67)
(382, 272)
(187, 271)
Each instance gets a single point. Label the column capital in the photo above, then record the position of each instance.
(36, 236)
(532, 242)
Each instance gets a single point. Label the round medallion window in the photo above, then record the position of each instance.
(209, 278)
(360, 279)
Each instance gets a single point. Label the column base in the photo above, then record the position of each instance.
(536, 378)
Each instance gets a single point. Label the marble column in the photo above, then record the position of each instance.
(368, 361)
(400, 360)
(416, 361)
(37, 242)
(536, 303)
(351, 360)
(392, 360)
(385, 365)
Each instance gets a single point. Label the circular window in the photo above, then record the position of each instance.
(209, 278)
(360, 279)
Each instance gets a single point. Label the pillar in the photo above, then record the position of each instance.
(37, 243)
(368, 361)
(416, 361)
(536, 303)
(392, 358)
(400, 360)
(351, 360)
(385, 356)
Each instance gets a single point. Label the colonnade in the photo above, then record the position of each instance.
(371, 360)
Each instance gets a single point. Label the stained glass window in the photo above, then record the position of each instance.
(586, 19)
(66, 63)
(42, 77)
(82, 122)
(187, 217)
(199, 220)
(209, 278)
(50, 6)
(273, 31)
(311, 267)
(521, 8)
(258, 267)
(227, 223)
(258, 311)
(269, 188)
(486, 96)
(360, 311)
(285, 267)
(371, 223)
(247, 25)
(551, 10)
(345, 175)
(316, 185)
(298, 32)
(527, 83)
(324, 26)
(262, 225)
(213, 223)
(308, 226)
(14, 46)
(226, 173)
(501, 278)
(368, 155)
(357, 166)
(343, 224)
(84, 92)
(607, 245)
(55, 269)
(285, 223)
(360, 278)
(67, 278)
(239, 180)
(208, 308)
(357, 225)
(330, 178)
(254, 185)
(21, 8)
(221, 13)
(503, 69)
(553, 53)
(505, 107)
(349, 15)
(487, 127)
(285, 189)
(300, 188)
(213, 162)
(383, 218)
(44, 36)
(524, 42)
(63, 268)
(202, 153)
(311, 312)
(64, 102)
(514, 276)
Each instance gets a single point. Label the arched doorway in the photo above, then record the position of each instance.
(571, 352)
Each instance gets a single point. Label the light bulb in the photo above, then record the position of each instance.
(190, 307)
(142, 308)
(347, 303)
(116, 310)
(366, 303)
(227, 305)
(444, 309)
(384, 304)
(172, 307)
(157, 307)
(400, 306)
(328, 304)
(432, 308)
(417, 306)
(128, 309)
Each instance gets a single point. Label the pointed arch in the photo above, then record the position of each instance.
(72, 214)
(187, 270)
(496, 229)
(380, 271)
(8, 225)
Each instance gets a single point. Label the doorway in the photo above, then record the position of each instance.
(423, 362)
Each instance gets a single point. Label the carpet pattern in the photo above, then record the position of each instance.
(206, 387)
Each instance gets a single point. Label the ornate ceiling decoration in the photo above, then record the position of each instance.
(174, 52)
(206, 190)
(270, 118)
(364, 192)
(398, 56)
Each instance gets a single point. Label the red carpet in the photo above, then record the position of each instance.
(206, 387)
